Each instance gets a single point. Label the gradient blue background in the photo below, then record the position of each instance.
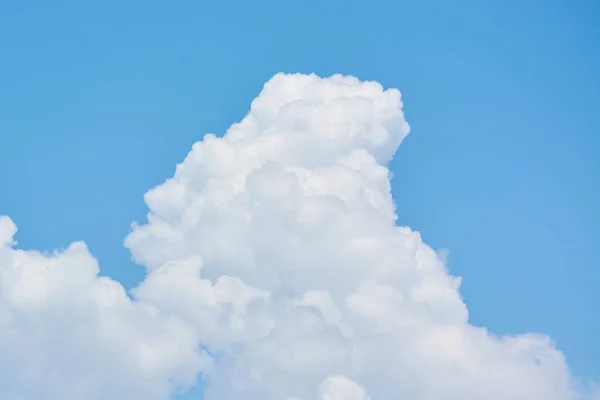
(98, 102)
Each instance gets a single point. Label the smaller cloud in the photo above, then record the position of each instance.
(342, 388)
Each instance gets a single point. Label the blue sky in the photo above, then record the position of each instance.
(98, 102)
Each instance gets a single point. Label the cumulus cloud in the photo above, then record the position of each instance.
(275, 270)
(66, 333)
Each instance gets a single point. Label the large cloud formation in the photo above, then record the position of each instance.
(275, 270)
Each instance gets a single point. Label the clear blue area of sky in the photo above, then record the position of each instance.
(100, 100)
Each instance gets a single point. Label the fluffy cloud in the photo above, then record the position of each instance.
(66, 333)
(275, 270)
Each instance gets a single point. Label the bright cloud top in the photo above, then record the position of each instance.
(275, 271)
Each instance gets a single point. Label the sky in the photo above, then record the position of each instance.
(100, 102)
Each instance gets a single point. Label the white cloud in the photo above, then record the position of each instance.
(275, 249)
(342, 388)
(66, 333)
